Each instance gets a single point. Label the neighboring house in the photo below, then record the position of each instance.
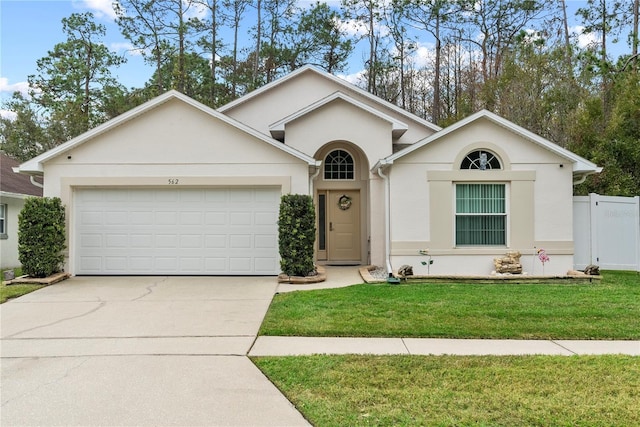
(14, 188)
(174, 187)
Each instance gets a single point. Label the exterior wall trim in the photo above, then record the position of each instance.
(481, 176)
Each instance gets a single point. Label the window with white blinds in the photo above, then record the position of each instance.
(481, 215)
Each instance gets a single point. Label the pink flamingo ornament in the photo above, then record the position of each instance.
(543, 257)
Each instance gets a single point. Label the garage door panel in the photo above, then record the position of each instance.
(116, 263)
(215, 218)
(215, 265)
(144, 241)
(240, 218)
(265, 264)
(117, 241)
(166, 218)
(91, 218)
(191, 218)
(268, 241)
(140, 218)
(191, 241)
(116, 218)
(264, 218)
(141, 264)
(91, 265)
(216, 241)
(177, 231)
(166, 241)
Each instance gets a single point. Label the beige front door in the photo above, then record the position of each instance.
(343, 225)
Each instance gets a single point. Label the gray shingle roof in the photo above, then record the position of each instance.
(11, 182)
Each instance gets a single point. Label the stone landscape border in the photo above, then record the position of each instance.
(50, 280)
(320, 276)
(365, 272)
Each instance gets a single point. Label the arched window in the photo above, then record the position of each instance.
(481, 160)
(339, 165)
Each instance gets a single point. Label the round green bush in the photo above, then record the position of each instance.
(297, 234)
(41, 236)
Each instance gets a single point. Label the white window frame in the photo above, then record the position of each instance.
(4, 209)
(353, 159)
(475, 166)
(507, 213)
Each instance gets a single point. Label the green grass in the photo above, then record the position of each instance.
(607, 309)
(460, 391)
(8, 292)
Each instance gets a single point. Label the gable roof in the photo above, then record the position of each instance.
(35, 165)
(337, 80)
(277, 128)
(581, 166)
(14, 184)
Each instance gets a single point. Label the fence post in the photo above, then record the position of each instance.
(593, 216)
(637, 200)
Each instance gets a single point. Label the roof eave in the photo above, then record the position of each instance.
(336, 79)
(277, 129)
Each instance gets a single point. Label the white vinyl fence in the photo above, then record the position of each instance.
(606, 232)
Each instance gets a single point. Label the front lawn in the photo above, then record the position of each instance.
(456, 390)
(606, 309)
(8, 292)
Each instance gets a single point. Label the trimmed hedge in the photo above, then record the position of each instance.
(41, 236)
(297, 234)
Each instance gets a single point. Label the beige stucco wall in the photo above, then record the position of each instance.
(175, 141)
(367, 137)
(341, 121)
(9, 243)
(539, 194)
(297, 93)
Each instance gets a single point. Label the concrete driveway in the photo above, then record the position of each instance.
(143, 351)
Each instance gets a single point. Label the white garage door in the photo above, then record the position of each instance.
(217, 231)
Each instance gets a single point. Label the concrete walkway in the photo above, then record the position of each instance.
(298, 346)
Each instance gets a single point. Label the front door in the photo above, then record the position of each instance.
(343, 225)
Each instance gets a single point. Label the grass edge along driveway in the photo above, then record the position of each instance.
(607, 309)
(359, 390)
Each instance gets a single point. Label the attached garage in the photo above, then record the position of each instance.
(176, 231)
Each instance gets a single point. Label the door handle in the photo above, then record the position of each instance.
(330, 226)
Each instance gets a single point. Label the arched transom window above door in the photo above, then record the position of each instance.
(481, 160)
(339, 165)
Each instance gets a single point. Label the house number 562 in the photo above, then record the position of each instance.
(173, 181)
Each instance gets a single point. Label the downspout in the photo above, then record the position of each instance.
(314, 176)
(31, 178)
(387, 221)
(584, 176)
(34, 182)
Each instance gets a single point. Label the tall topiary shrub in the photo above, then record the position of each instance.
(297, 234)
(41, 236)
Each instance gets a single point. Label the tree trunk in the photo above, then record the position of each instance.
(435, 113)
(256, 63)
(634, 52)
(372, 53)
(214, 40)
(567, 39)
(181, 37)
